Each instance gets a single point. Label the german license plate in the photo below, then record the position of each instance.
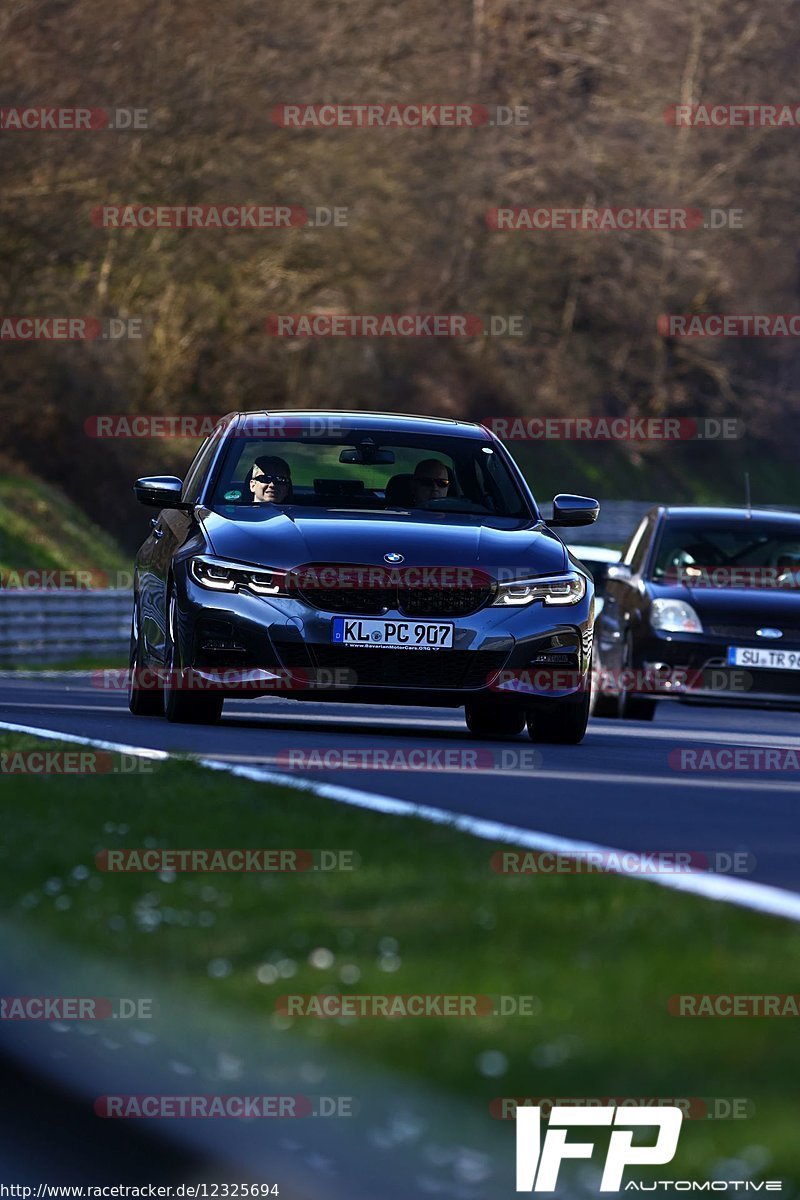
(395, 635)
(772, 660)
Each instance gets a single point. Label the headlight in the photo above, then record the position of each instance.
(557, 590)
(221, 576)
(675, 616)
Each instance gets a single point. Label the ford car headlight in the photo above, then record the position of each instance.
(220, 576)
(674, 616)
(557, 590)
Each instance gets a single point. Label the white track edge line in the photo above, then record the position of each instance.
(761, 897)
(55, 734)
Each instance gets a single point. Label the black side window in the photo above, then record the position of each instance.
(197, 471)
(501, 485)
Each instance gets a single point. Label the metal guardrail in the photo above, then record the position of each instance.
(616, 523)
(59, 626)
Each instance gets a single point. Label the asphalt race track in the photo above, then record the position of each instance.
(618, 788)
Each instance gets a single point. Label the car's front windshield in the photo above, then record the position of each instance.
(752, 553)
(401, 472)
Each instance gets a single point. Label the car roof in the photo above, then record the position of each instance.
(383, 422)
(691, 514)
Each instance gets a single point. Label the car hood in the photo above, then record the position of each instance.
(747, 606)
(276, 538)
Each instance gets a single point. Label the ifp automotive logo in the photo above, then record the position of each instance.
(537, 1165)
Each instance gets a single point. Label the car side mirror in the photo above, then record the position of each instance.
(160, 491)
(571, 511)
(618, 571)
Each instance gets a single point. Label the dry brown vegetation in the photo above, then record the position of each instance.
(596, 76)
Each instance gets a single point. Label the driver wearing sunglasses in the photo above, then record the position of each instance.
(430, 481)
(270, 480)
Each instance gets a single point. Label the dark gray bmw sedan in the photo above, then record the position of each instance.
(363, 557)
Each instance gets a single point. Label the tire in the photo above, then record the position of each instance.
(601, 703)
(561, 722)
(493, 720)
(180, 704)
(633, 708)
(145, 697)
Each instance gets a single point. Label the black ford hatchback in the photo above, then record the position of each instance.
(704, 605)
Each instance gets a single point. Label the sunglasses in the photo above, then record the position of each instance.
(442, 483)
(267, 479)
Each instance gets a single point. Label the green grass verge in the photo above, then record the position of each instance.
(674, 473)
(40, 529)
(423, 913)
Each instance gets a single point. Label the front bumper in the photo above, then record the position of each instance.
(693, 668)
(285, 644)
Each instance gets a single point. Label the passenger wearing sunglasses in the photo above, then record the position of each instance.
(270, 480)
(430, 481)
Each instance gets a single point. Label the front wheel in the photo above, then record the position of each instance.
(493, 720)
(182, 704)
(633, 708)
(561, 722)
(144, 689)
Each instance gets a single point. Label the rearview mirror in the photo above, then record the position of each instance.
(366, 456)
(160, 491)
(571, 511)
